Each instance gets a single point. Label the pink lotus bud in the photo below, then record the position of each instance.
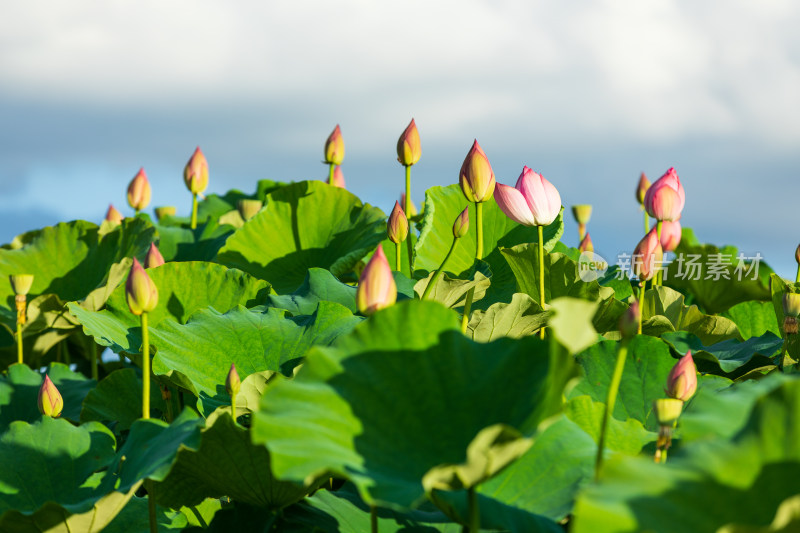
(582, 213)
(408, 146)
(113, 216)
(629, 321)
(476, 177)
(682, 379)
(670, 235)
(21, 283)
(461, 225)
(647, 256)
(334, 147)
(232, 382)
(797, 254)
(533, 201)
(50, 401)
(412, 209)
(398, 224)
(140, 291)
(586, 244)
(153, 258)
(248, 207)
(164, 211)
(376, 287)
(139, 191)
(338, 178)
(665, 198)
(641, 189)
(195, 175)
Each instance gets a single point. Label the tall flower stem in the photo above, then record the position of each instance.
(373, 519)
(473, 510)
(398, 249)
(646, 222)
(641, 304)
(151, 506)
(797, 280)
(233, 407)
(613, 390)
(21, 303)
(331, 169)
(145, 368)
(658, 280)
(19, 341)
(478, 255)
(194, 210)
(541, 273)
(406, 210)
(91, 351)
(439, 271)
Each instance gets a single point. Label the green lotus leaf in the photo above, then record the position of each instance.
(134, 518)
(627, 436)
(571, 323)
(754, 318)
(451, 291)
(304, 225)
(319, 285)
(118, 398)
(728, 356)
(778, 288)
(180, 243)
(390, 385)
(663, 302)
(520, 318)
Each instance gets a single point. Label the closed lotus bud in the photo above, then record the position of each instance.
(476, 177)
(334, 147)
(629, 321)
(682, 379)
(248, 208)
(376, 287)
(665, 198)
(50, 401)
(797, 254)
(195, 174)
(582, 213)
(586, 244)
(647, 256)
(408, 146)
(113, 216)
(668, 410)
(641, 189)
(412, 209)
(232, 382)
(338, 178)
(153, 258)
(533, 201)
(461, 225)
(398, 224)
(670, 235)
(164, 211)
(139, 191)
(21, 283)
(140, 291)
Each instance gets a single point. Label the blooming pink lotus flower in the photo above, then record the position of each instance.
(50, 401)
(586, 244)
(409, 149)
(338, 178)
(682, 379)
(641, 188)
(533, 201)
(376, 287)
(665, 198)
(139, 191)
(476, 176)
(647, 256)
(195, 174)
(461, 224)
(398, 224)
(140, 291)
(670, 235)
(153, 257)
(334, 147)
(113, 216)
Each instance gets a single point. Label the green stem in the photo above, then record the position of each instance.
(473, 510)
(398, 249)
(168, 401)
(541, 274)
(613, 389)
(406, 209)
(373, 516)
(641, 305)
(797, 280)
(92, 353)
(659, 274)
(145, 368)
(19, 341)
(233, 407)
(478, 255)
(646, 223)
(194, 210)
(151, 507)
(331, 168)
(438, 273)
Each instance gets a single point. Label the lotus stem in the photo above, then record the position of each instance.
(613, 389)
(438, 273)
(641, 305)
(478, 255)
(406, 210)
(373, 516)
(151, 507)
(19, 342)
(541, 273)
(659, 275)
(145, 368)
(797, 280)
(474, 511)
(92, 352)
(581, 232)
(233, 407)
(646, 222)
(398, 249)
(194, 210)
(331, 170)
(20, 302)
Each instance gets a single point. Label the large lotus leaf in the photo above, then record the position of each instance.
(663, 310)
(48, 480)
(178, 243)
(520, 318)
(571, 323)
(717, 278)
(628, 436)
(19, 393)
(754, 318)
(706, 485)
(134, 518)
(401, 396)
(118, 399)
(728, 356)
(226, 463)
(451, 291)
(183, 288)
(609, 312)
(202, 350)
(304, 225)
(319, 285)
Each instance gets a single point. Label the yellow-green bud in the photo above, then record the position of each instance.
(334, 147)
(153, 258)
(195, 174)
(461, 225)
(50, 401)
(140, 291)
(408, 145)
(232, 382)
(398, 224)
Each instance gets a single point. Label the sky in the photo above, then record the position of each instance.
(588, 93)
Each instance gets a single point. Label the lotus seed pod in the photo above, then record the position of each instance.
(582, 213)
(248, 208)
(50, 401)
(791, 304)
(232, 382)
(668, 410)
(641, 188)
(164, 211)
(195, 174)
(376, 287)
(682, 379)
(153, 258)
(629, 321)
(334, 147)
(140, 291)
(409, 149)
(113, 216)
(338, 178)
(398, 224)
(476, 177)
(21, 283)
(139, 191)
(461, 225)
(586, 244)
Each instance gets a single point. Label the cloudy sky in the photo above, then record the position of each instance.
(588, 93)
